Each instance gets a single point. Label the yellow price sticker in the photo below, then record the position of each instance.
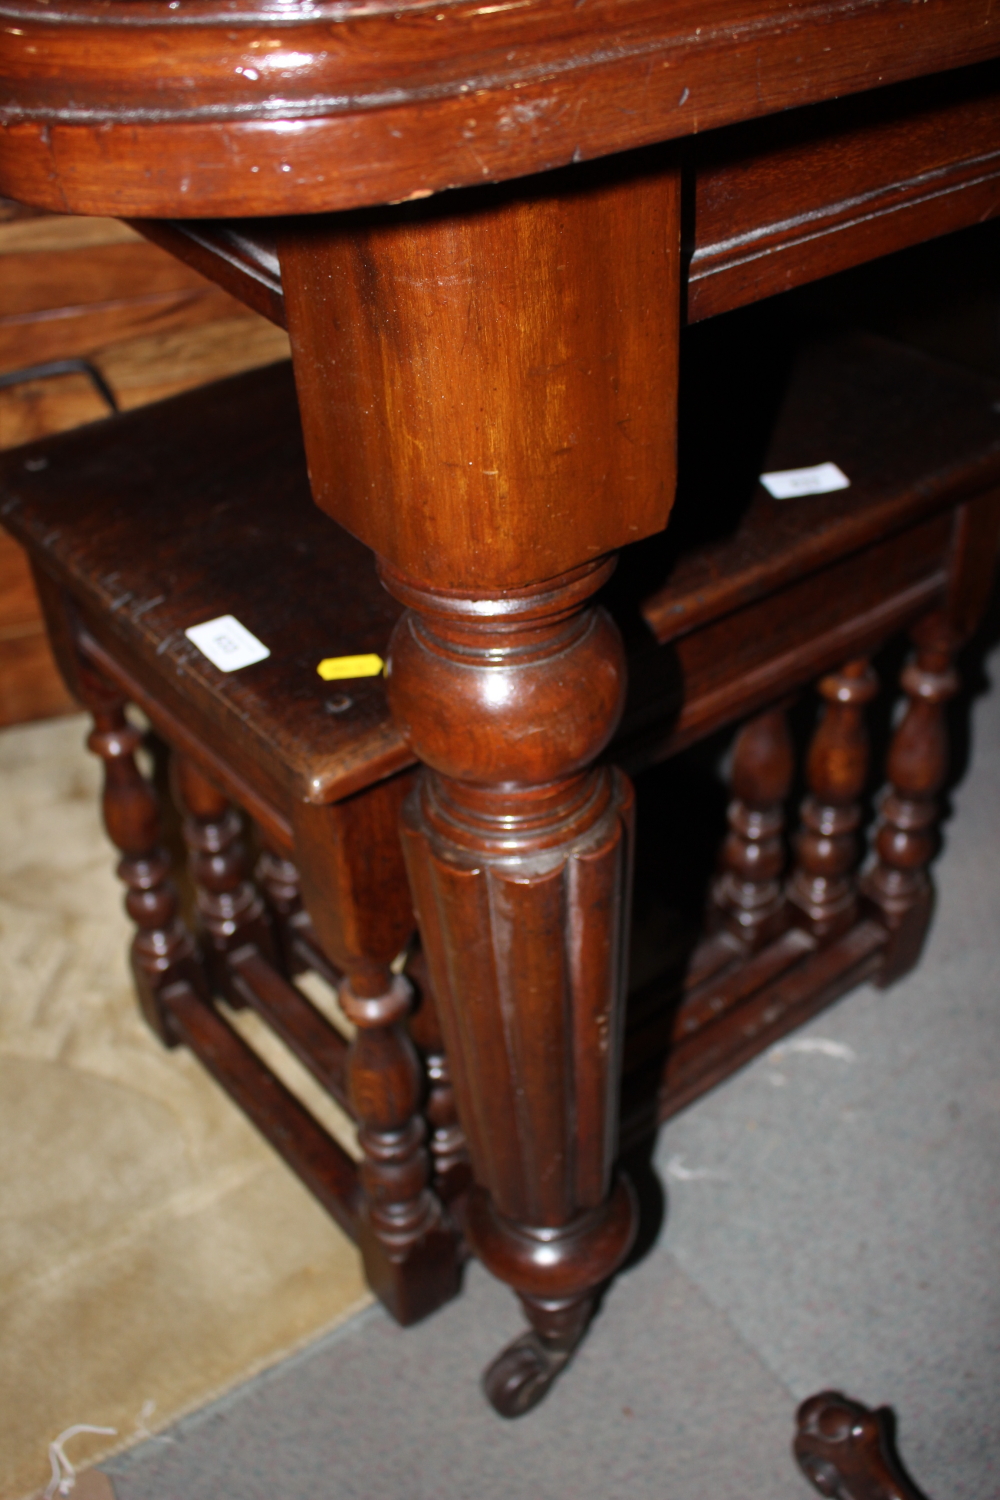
(337, 668)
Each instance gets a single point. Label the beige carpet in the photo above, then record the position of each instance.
(153, 1250)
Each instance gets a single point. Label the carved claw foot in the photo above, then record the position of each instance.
(522, 1373)
(845, 1450)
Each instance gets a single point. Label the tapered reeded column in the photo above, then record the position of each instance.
(163, 952)
(747, 897)
(823, 887)
(907, 836)
(518, 857)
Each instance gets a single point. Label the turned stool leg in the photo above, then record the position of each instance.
(231, 912)
(823, 888)
(449, 1156)
(385, 1085)
(448, 1146)
(163, 953)
(278, 879)
(747, 896)
(354, 888)
(907, 835)
(294, 934)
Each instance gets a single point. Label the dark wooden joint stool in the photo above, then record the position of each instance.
(187, 511)
(797, 592)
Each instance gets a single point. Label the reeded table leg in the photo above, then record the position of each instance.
(488, 390)
(518, 859)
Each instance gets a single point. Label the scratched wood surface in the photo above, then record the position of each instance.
(343, 103)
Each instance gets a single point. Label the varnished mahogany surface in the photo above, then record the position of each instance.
(782, 201)
(485, 417)
(770, 204)
(847, 1450)
(213, 108)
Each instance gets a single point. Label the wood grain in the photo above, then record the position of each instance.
(784, 201)
(476, 449)
(245, 112)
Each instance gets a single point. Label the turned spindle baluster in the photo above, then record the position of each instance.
(354, 887)
(747, 896)
(907, 834)
(163, 952)
(448, 1146)
(278, 879)
(823, 889)
(385, 1087)
(231, 912)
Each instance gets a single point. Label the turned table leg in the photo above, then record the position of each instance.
(519, 857)
(487, 384)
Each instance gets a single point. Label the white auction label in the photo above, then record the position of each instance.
(227, 644)
(789, 484)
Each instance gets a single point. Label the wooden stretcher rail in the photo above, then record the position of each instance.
(812, 193)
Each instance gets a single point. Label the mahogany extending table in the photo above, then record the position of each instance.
(487, 379)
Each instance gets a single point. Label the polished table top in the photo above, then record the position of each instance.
(223, 107)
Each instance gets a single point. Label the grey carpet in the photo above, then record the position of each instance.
(834, 1220)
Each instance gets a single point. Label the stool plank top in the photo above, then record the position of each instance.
(305, 587)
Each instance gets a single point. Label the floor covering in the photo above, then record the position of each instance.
(153, 1250)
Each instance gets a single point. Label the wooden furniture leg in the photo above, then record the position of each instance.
(231, 912)
(488, 388)
(748, 897)
(449, 1149)
(355, 890)
(846, 1450)
(907, 836)
(823, 888)
(163, 952)
(518, 860)
(278, 878)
